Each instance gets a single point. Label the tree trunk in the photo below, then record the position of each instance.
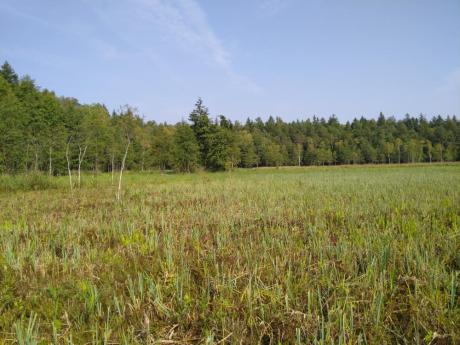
(81, 155)
(142, 163)
(121, 170)
(96, 163)
(113, 165)
(68, 163)
(36, 159)
(26, 167)
(50, 160)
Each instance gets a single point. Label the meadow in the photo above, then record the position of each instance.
(311, 255)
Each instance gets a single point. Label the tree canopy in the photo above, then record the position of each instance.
(37, 127)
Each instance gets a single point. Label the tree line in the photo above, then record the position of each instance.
(40, 131)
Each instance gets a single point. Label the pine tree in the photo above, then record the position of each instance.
(202, 126)
(8, 73)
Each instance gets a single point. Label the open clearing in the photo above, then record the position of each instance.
(315, 255)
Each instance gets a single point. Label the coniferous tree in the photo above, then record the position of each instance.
(202, 126)
(8, 73)
(39, 131)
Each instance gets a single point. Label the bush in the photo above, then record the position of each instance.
(26, 182)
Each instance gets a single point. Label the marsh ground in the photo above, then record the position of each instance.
(314, 255)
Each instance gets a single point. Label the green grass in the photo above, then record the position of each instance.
(27, 182)
(338, 255)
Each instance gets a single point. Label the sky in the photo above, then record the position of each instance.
(245, 58)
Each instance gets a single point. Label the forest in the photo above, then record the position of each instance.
(40, 131)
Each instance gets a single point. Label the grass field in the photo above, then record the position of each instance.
(317, 255)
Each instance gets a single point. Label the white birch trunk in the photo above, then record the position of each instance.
(81, 155)
(68, 163)
(121, 170)
(50, 162)
(113, 165)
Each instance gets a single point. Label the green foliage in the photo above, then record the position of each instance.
(186, 149)
(12, 127)
(162, 147)
(201, 125)
(247, 149)
(26, 335)
(223, 152)
(7, 72)
(41, 132)
(27, 182)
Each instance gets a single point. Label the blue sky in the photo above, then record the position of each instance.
(287, 58)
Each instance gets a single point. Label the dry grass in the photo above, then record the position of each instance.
(301, 256)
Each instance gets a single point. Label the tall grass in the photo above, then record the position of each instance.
(273, 256)
(27, 182)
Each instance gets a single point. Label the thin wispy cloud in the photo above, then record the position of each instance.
(186, 22)
(181, 22)
(5, 7)
(271, 8)
(160, 55)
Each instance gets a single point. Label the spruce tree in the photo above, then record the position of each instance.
(8, 73)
